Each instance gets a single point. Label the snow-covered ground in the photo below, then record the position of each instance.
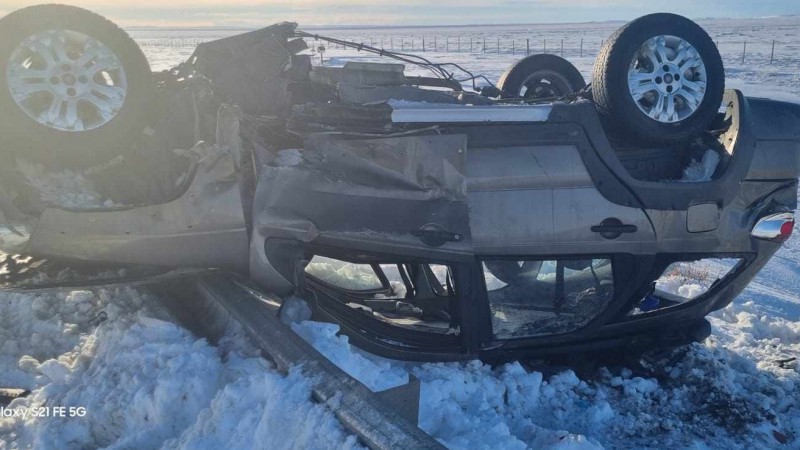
(146, 382)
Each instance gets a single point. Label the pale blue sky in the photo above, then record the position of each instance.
(408, 12)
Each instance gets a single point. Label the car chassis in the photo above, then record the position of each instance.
(430, 222)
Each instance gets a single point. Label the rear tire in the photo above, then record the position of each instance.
(541, 77)
(658, 80)
(91, 101)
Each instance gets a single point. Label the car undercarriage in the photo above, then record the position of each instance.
(430, 220)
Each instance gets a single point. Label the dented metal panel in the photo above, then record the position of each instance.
(376, 187)
(202, 226)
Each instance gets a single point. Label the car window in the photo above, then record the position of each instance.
(535, 297)
(344, 275)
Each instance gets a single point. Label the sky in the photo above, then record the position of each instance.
(252, 13)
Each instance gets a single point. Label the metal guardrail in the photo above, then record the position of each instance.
(206, 304)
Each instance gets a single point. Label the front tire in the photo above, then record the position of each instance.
(74, 88)
(658, 80)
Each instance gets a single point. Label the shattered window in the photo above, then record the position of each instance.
(344, 275)
(535, 297)
(684, 281)
(436, 276)
(415, 296)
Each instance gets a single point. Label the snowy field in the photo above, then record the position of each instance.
(146, 382)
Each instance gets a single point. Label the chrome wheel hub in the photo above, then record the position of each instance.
(667, 79)
(66, 80)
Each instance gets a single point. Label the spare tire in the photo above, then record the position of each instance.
(658, 80)
(541, 77)
(74, 88)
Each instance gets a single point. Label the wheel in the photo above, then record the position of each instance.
(658, 80)
(74, 88)
(510, 272)
(539, 77)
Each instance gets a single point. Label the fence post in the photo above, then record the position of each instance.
(772, 54)
(423, 44)
(562, 47)
(402, 44)
(435, 47)
(470, 44)
(581, 47)
(498, 45)
(392, 44)
(744, 51)
(528, 46)
(447, 39)
(513, 46)
(544, 47)
(484, 44)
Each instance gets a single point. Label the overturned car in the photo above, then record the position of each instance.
(431, 221)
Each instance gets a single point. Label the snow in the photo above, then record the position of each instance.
(703, 170)
(377, 373)
(289, 158)
(730, 392)
(66, 189)
(144, 381)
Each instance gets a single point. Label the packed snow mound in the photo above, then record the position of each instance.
(739, 389)
(148, 383)
(144, 381)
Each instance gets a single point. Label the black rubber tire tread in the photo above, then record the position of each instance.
(621, 116)
(510, 82)
(26, 137)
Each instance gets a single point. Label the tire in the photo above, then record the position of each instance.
(90, 127)
(540, 77)
(646, 121)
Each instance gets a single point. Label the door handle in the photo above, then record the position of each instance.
(612, 228)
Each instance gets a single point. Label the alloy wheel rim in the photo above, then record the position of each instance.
(66, 80)
(667, 79)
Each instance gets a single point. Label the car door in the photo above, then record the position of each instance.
(541, 200)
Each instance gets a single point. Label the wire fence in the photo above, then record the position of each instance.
(765, 52)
